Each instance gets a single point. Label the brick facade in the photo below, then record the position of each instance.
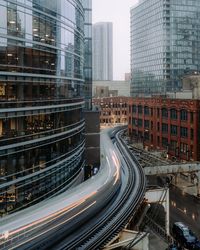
(166, 124)
(112, 109)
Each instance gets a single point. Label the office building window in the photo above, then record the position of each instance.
(173, 145)
(140, 109)
(146, 110)
(164, 113)
(184, 114)
(192, 134)
(146, 124)
(158, 62)
(134, 122)
(191, 117)
(134, 108)
(164, 142)
(173, 114)
(184, 148)
(164, 128)
(158, 112)
(184, 132)
(174, 130)
(158, 126)
(140, 123)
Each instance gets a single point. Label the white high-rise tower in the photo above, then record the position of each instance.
(103, 51)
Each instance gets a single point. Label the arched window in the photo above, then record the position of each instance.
(173, 114)
(140, 109)
(146, 110)
(134, 108)
(164, 113)
(183, 114)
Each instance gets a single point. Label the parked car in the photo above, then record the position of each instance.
(184, 236)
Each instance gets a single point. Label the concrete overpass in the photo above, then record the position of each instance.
(192, 168)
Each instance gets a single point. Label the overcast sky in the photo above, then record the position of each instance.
(118, 12)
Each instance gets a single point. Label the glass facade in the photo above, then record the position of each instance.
(88, 53)
(164, 44)
(41, 102)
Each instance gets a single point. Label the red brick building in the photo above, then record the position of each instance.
(167, 124)
(112, 109)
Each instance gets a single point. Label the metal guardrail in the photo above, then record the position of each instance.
(36, 102)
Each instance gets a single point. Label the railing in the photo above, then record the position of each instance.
(36, 102)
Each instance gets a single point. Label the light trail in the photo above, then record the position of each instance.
(57, 225)
(39, 223)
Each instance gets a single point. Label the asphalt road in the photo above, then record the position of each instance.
(185, 208)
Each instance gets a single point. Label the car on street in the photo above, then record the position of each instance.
(184, 236)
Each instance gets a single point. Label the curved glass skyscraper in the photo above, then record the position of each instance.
(41, 81)
(88, 53)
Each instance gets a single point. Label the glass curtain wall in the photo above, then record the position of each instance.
(88, 53)
(41, 84)
(164, 44)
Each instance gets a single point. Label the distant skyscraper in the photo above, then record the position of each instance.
(165, 41)
(103, 51)
(127, 76)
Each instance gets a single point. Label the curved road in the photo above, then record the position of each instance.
(99, 214)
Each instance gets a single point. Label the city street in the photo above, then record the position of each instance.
(184, 208)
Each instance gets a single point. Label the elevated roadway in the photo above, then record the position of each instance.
(173, 169)
(86, 216)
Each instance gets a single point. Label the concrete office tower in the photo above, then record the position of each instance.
(165, 41)
(103, 51)
(42, 127)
